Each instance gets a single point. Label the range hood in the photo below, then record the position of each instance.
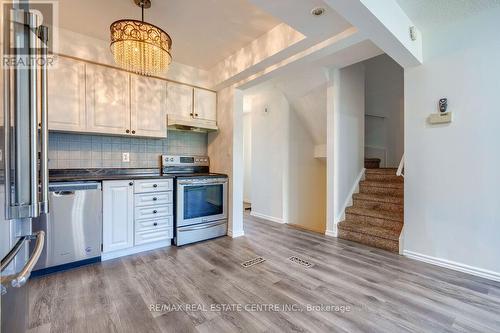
(190, 124)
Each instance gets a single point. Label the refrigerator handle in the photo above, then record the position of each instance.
(23, 276)
(43, 33)
(6, 147)
(34, 105)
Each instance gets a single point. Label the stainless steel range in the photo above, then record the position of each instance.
(201, 199)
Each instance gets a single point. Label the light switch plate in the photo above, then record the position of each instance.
(125, 157)
(440, 118)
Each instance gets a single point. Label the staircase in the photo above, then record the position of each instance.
(376, 216)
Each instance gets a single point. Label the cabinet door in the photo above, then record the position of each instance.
(118, 215)
(205, 105)
(66, 96)
(179, 101)
(148, 104)
(108, 100)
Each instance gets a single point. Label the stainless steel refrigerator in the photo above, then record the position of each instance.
(24, 174)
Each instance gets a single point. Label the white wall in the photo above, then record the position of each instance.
(346, 128)
(269, 163)
(247, 157)
(225, 149)
(307, 200)
(452, 201)
(288, 185)
(384, 102)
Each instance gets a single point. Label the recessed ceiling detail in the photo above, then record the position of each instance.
(318, 11)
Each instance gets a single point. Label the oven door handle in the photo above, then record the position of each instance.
(204, 226)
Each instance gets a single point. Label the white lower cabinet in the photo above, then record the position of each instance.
(117, 215)
(137, 216)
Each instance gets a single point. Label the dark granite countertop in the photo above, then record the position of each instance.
(66, 175)
(100, 174)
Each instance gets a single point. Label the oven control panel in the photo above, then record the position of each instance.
(176, 160)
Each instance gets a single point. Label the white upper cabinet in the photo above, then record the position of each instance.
(148, 106)
(205, 105)
(90, 98)
(194, 107)
(107, 100)
(179, 101)
(66, 96)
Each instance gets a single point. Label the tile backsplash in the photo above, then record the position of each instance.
(72, 151)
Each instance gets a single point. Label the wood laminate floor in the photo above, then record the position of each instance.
(383, 291)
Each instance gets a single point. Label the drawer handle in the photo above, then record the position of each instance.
(130, 184)
(155, 198)
(155, 224)
(155, 211)
(155, 185)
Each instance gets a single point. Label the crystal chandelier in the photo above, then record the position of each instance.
(140, 47)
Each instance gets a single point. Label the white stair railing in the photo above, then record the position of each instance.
(401, 168)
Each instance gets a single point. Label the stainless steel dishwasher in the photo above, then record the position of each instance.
(73, 227)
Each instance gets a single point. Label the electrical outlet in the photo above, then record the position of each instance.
(125, 157)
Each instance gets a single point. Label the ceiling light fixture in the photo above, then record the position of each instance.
(140, 47)
(318, 11)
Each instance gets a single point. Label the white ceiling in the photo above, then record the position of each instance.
(297, 14)
(428, 14)
(204, 32)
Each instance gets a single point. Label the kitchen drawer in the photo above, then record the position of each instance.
(154, 235)
(154, 212)
(153, 199)
(153, 185)
(145, 225)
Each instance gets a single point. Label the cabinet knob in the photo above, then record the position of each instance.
(131, 183)
(155, 224)
(155, 198)
(127, 131)
(155, 211)
(133, 132)
(196, 115)
(155, 185)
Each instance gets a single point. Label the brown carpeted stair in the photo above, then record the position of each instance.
(376, 216)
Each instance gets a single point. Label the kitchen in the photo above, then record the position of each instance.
(129, 129)
(121, 159)
(122, 140)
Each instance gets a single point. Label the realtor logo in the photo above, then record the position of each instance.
(29, 28)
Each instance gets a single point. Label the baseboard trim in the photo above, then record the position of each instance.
(487, 274)
(235, 234)
(134, 250)
(267, 217)
(401, 240)
(331, 233)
